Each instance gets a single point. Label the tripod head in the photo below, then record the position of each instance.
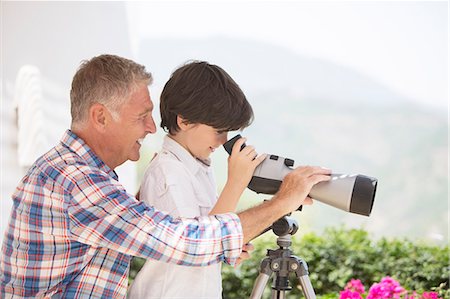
(282, 262)
(286, 225)
(284, 228)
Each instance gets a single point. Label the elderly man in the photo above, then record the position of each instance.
(73, 227)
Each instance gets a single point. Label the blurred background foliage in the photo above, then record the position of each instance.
(339, 254)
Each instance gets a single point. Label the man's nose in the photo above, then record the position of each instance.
(150, 125)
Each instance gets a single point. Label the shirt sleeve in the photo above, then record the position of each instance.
(102, 214)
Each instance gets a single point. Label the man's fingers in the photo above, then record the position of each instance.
(312, 174)
(238, 262)
(317, 178)
(308, 201)
(320, 178)
(311, 170)
(248, 247)
(245, 254)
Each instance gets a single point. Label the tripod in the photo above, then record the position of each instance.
(282, 262)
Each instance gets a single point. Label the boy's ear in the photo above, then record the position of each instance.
(182, 123)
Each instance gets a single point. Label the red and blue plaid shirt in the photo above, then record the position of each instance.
(73, 230)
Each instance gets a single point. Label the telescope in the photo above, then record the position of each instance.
(354, 193)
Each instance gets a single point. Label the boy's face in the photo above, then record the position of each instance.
(202, 140)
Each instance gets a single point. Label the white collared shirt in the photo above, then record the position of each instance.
(181, 185)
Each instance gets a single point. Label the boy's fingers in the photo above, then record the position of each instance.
(259, 159)
(237, 145)
(247, 150)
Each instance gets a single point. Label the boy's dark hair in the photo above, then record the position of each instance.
(204, 93)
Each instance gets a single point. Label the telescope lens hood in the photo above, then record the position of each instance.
(363, 195)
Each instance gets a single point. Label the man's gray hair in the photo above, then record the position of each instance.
(105, 79)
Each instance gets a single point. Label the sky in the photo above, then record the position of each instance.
(401, 44)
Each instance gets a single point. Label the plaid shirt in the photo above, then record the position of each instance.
(73, 229)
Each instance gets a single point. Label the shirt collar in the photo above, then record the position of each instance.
(192, 163)
(79, 147)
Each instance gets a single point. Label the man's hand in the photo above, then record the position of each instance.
(297, 184)
(246, 249)
(292, 194)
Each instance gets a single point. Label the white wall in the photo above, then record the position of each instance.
(54, 37)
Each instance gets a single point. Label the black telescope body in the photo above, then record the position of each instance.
(354, 193)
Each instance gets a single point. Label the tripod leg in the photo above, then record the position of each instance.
(260, 284)
(307, 288)
(301, 271)
(278, 294)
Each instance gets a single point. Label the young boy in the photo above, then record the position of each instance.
(199, 105)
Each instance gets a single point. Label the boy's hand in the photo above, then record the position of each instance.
(242, 163)
(241, 166)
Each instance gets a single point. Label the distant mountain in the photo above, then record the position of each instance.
(320, 113)
(258, 66)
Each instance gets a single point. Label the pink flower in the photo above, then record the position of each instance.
(430, 295)
(348, 294)
(387, 288)
(413, 295)
(355, 285)
(375, 292)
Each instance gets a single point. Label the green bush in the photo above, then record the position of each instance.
(340, 254)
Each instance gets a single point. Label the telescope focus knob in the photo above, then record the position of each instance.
(288, 162)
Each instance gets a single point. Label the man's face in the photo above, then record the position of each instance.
(202, 140)
(127, 133)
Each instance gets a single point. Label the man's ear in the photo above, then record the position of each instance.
(98, 116)
(182, 123)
